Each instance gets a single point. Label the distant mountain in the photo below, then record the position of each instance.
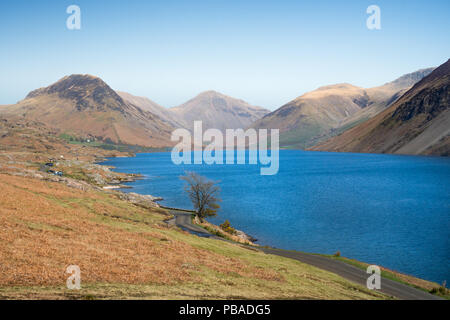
(417, 123)
(380, 98)
(151, 106)
(86, 106)
(330, 110)
(314, 113)
(218, 111)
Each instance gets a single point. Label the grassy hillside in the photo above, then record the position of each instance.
(121, 241)
(123, 247)
(125, 251)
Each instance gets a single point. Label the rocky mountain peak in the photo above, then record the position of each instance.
(88, 92)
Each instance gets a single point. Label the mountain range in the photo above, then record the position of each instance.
(408, 115)
(330, 110)
(417, 123)
(86, 107)
(214, 109)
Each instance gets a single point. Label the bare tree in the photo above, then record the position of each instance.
(203, 194)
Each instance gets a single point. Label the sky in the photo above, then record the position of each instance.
(264, 52)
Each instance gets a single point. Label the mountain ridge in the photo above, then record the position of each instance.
(214, 109)
(219, 111)
(149, 105)
(85, 105)
(319, 114)
(417, 123)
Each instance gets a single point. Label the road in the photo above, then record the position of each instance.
(391, 288)
(183, 220)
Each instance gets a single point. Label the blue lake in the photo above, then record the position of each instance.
(389, 210)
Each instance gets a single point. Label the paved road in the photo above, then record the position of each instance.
(183, 220)
(354, 274)
(347, 271)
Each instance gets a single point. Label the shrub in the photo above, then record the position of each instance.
(441, 290)
(227, 227)
(337, 254)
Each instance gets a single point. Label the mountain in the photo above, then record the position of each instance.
(218, 111)
(383, 96)
(330, 110)
(380, 98)
(314, 113)
(151, 106)
(417, 123)
(86, 106)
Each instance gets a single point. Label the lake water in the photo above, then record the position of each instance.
(389, 210)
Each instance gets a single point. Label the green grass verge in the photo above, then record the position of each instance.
(436, 290)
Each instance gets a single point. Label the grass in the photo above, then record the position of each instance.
(79, 175)
(299, 137)
(219, 231)
(127, 252)
(107, 145)
(214, 231)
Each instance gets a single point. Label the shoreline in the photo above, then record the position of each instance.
(91, 178)
(245, 237)
(395, 276)
(75, 193)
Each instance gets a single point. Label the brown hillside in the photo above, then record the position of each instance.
(417, 123)
(320, 114)
(217, 111)
(86, 106)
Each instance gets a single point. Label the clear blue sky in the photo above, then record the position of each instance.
(265, 52)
